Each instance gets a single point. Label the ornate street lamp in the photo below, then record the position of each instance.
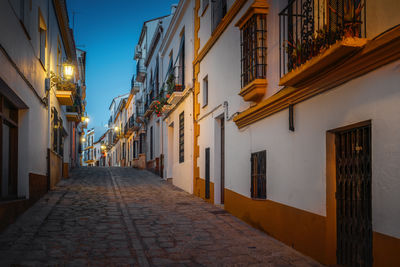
(68, 70)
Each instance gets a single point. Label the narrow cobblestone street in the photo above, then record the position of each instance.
(122, 216)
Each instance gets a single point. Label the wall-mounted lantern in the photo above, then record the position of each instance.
(68, 70)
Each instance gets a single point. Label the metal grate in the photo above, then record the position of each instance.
(181, 137)
(258, 175)
(353, 197)
(253, 37)
(308, 27)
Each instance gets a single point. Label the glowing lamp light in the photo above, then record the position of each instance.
(87, 120)
(83, 139)
(116, 128)
(103, 147)
(68, 70)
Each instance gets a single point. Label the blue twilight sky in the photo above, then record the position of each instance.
(108, 31)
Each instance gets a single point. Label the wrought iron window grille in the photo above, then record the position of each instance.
(309, 27)
(253, 37)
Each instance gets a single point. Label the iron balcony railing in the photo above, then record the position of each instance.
(135, 85)
(139, 109)
(130, 124)
(174, 80)
(308, 27)
(140, 70)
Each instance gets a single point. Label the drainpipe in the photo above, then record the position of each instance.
(226, 106)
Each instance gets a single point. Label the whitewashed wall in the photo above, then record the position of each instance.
(296, 171)
(34, 122)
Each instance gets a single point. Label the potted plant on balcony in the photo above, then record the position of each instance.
(351, 17)
(170, 83)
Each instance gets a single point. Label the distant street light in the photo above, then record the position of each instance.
(116, 128)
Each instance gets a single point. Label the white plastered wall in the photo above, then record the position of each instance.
(296, 171)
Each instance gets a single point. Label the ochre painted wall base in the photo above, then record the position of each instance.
(386, 250)
(302, 230)
(200, 190)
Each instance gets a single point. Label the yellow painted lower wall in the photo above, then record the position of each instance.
(304, 231)
(200, 190)
(386, 250)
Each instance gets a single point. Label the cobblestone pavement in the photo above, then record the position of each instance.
(122, 216)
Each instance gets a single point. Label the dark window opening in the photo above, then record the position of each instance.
(258, 175)
(218, 11)
(253, 38)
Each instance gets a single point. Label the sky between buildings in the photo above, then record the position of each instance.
(109, 31)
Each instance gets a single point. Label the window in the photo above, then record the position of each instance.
(170, 63)
(59, 57)
(181, 67)
(205, 91)
(258, 175)
(181, 137)
(156, 81)
(58, 133)
(218, 11)
(254, 49)
(42, 39)
(151, 142)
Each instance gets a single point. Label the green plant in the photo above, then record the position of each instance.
(170, 83)
(351, 17)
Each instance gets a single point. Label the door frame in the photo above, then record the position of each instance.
(331, 222)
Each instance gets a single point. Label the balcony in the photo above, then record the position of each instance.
(130, 126)
(65, 97)
(73, 113)
(140, 71)
(175, 85)
(317, 37)
(135, 86)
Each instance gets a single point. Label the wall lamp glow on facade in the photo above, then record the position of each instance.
(83, 139)
(116, 128)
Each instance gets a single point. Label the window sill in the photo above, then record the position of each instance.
(255, 90)
(328, 61)
(258, 199)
